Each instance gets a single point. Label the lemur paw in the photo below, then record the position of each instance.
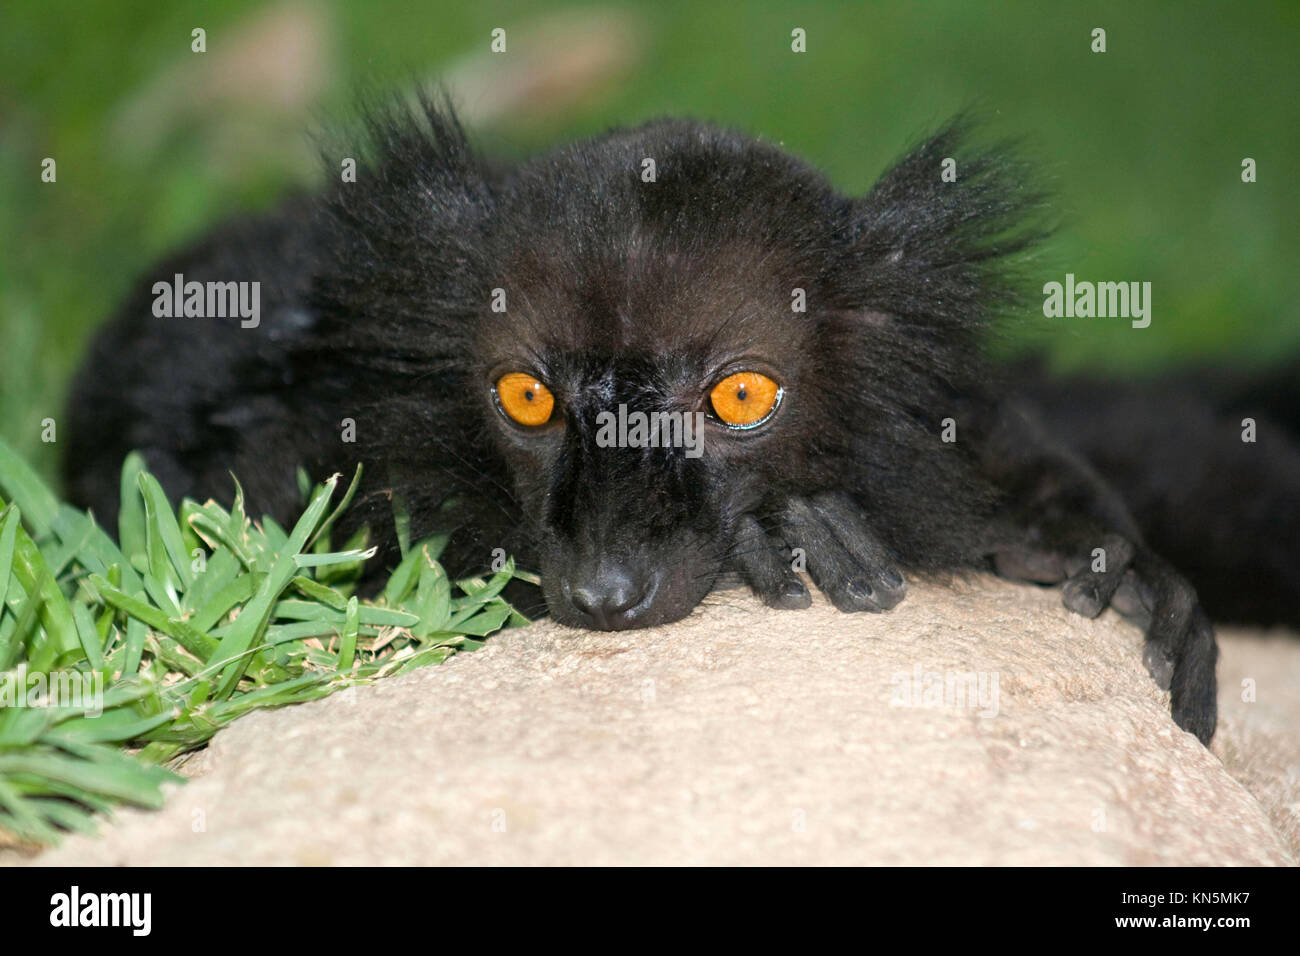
(838, 548)
(764, 562)
(1090, 581)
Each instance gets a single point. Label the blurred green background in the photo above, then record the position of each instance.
(1143, 144)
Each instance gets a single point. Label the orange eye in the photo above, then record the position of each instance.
(745, 399)
(525, 399)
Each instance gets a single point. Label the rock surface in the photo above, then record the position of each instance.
(744, 735)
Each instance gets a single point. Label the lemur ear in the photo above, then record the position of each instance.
(937, 237)
(412, 226)
(416, 171)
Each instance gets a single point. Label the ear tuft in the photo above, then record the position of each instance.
(938, 250)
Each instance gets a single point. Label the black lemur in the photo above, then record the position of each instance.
(467, 330)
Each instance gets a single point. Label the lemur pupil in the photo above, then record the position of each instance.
(741, 394)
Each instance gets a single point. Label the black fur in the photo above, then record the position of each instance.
(376, 308)
(1224, 511)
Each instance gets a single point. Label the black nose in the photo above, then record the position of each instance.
(610, 597)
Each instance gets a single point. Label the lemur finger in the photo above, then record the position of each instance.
(1194, 691)
(765, 563)
(1135, 600)
(1089, 592)
(1159, 664)
(844, 517)
(840, 575)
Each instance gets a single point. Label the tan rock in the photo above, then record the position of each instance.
(744, 735)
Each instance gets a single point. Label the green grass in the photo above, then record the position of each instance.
(193, 617)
